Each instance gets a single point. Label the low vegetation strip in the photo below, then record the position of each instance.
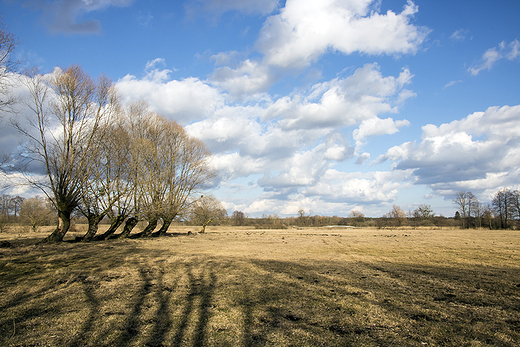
(250, 287)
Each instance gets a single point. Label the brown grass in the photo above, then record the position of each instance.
(248, 287)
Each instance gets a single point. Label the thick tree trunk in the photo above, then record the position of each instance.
(93, 223)
(152, 224)
(115, 223)
(63, 226)
(129, 225)
(164, 228)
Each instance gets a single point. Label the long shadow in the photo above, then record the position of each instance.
(93, 304)
(131, 326)
(415, 295)
(201, 288)
(56, 269)
(206, 292)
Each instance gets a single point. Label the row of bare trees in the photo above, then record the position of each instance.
(105, 159)
(503, 213)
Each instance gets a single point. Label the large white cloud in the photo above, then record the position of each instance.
(306, 29)
(478, 152)
(250, 78)
(349, 101)
(183, 100)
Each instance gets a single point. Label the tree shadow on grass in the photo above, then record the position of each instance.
(388, 304)
(104, 294)
(122, 293)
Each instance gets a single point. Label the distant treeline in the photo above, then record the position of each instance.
(502, 213)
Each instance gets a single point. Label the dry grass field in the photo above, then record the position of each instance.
(247, 287)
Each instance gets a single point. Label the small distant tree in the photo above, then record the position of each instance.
(356, 218)
(302, 219)
(398, 215)
(466, 204)
(239, 218)
(5, 203)
(488, 220)
(206, 210)
(503, 204)
(15, 204)
(425, 212)
(36, 212)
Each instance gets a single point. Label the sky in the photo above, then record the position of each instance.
(327, 106)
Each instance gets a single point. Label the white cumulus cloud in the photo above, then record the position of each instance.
(481, 147)
(306, 29)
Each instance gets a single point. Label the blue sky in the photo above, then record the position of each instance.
(328, 105)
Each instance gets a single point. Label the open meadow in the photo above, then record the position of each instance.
(246, 287)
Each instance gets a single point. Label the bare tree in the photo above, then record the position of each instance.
(425, 211)
(5, 205)
(8, 43)
(69, 111)
(504, 204)
(467, 205)
(184, 171)
(398, 215)
(15, 204)
(110, 184)
(356, 217)
(238, 218)
(125, 142)
(206, 210)
(165, 166)
(36, 212)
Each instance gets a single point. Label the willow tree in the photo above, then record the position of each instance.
(70, 111)
(172, 167)
(188, 172)
(110, 184)
(125, 144)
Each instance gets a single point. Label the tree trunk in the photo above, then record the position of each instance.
(114, 224)
(129, 225)
(203, 229)
(164, 228)
(149, 228)
(63, 226)
(93, 222)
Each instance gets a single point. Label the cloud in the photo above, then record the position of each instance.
(144, 19)
(492, 55)
(362, 158)
(215, 8)
(345, 102)
(482, 147)
(65, 16)
(451, 84)
(249, 79)
(377, 127)
(459, 35)
(183, 100)
(305, 30)
(360, 187)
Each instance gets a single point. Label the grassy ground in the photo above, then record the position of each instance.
(245, 287)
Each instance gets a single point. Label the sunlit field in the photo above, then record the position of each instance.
(249, 287)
